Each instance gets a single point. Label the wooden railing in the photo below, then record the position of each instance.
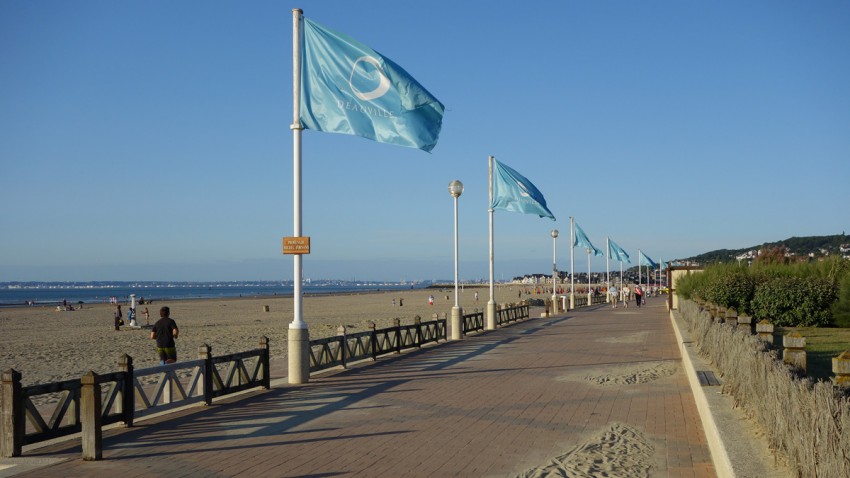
(511, 314)
(88, 404)
(345, 348)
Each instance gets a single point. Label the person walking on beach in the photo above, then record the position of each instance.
(117, 317)
(147, 317)
(430, 300)
(164, 332)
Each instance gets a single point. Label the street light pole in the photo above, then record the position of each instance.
(554, 234)
(456, 189)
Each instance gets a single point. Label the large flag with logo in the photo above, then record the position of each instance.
(513, 192)
(349, 88)
(581, 240)
(617, 252)
(646, 261)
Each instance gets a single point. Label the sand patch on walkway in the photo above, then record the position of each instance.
(634, 374)
(619, 451)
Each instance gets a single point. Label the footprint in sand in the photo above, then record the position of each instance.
(620, 451)
(634, 374)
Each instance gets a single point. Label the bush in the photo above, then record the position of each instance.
(841, 308)
(794, 301)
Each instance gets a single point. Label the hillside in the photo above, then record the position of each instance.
(819, 246)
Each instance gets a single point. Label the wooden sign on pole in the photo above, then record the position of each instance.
(296, 245)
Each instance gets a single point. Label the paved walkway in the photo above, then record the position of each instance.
(598, 389)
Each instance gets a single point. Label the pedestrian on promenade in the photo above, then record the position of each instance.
(117, 315)
(638, 295)
(613, 293)
(164, 332)
(627, 296)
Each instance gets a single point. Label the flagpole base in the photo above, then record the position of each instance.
(491, 315)
(298, 353)
(572, 301)
(457, 323)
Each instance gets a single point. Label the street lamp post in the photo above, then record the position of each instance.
(554, 234)
(456, 189)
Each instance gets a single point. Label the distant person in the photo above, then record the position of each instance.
(476, 296)
(147, 317)
(164, 332)
(627, 296)
(118, 317)
(131, 316)
(393, 301)
(638, 295)
(613, 293)
(400, 302)
(430, 300)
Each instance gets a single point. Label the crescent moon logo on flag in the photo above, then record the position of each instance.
(383, 81)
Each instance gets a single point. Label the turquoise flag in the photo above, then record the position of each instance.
(581, 240)
(617, 252)
(663, 264)
(646, 261)
(512, 192)
(348, 88)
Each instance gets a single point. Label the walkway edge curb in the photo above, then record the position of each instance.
(719, 455)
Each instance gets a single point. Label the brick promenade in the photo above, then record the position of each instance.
(494, 404)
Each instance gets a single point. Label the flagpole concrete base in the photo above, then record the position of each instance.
(572, 301)
(491, 315)
(299, 355)
(554, 305)
(457, 323)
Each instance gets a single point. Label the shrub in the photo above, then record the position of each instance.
(794, 301)
(841, 308)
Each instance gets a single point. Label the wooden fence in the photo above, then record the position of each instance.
(88, 404)
(343, 349)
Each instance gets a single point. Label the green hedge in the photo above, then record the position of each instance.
(801, 294)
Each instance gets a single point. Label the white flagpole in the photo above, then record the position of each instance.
(298, 336)
(607, 268)
(621, 280)
(572, 263)
(639, 264)
(491, 304)
(588, 276)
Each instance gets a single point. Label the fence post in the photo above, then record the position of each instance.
(417, 321)
(732, 317)
(841, 369)
(794, 351)
(266, 382)
(397, 326)
(373, 341)
(13, 415)
(91, 416)
(205, 354)
(765, 331)
(128, 396)
(745, 324)
(343, 344)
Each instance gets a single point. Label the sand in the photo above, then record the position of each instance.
(46, 345)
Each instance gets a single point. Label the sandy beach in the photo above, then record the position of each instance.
(46, 345)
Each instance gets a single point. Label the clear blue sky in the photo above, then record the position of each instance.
(150, 140)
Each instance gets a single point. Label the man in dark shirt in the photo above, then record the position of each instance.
(164, 332)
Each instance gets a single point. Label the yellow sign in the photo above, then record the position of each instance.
(296, 245)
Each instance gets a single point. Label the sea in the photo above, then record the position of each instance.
(18, 294)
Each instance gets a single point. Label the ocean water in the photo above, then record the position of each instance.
(56, 294)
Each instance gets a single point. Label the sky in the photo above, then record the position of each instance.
(151, 140)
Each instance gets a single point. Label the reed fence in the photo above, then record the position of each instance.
(806, 422)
